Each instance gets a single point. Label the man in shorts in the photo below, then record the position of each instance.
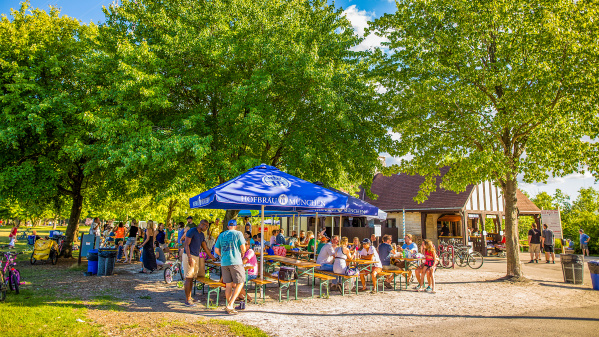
(548, 241)
(193, 259)
(584, 242)
(534, 244)
(231, 247)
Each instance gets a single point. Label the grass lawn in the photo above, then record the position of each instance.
(47, 306)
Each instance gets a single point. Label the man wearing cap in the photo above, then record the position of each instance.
(193, 261)
(231, 247)
(326, 256)
(369, 253)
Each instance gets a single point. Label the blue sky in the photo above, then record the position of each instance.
(359, 12)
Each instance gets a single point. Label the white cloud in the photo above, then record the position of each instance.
(359, 21)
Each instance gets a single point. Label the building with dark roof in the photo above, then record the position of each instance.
(461, 212)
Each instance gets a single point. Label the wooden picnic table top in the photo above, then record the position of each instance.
(292, 262)
(301, 252)
(408, 258)
(362, 261)
(217, 263)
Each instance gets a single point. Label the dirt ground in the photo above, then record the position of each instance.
(467, 301)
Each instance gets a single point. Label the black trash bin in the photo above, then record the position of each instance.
(110, 262)
(102, 257)
(572, 267)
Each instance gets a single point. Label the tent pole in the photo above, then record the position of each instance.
(315, 235)
(340, 225)
(293, 224)
(262, 245)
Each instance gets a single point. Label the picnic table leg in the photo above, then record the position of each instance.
(296, 282)
(255, 293)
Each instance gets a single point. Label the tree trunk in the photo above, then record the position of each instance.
(512, 244)
(231, 214)
(171, 207)
(73, 225)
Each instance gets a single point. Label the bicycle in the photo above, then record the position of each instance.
(172, 270)
(13, 281)
(461, 257)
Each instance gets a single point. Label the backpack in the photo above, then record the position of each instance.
(287, 273)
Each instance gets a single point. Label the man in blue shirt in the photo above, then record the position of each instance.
(231, 248)
(385, 252)
(411, 247)
(193, 261)
(584, 242)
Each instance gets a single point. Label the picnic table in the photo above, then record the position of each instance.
(307, 266)
(302, 254)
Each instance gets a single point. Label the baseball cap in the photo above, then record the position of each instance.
(232, 222)
(367, 241)
(190, 217)
(324, 236)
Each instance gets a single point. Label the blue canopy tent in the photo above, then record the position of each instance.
(265, 187)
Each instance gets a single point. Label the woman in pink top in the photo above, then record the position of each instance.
(249, 258)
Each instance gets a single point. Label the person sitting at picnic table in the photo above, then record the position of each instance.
(385, 252)
(249, 258)
(280, 238)
(323, 241)
(292, 240)
(160, 257)
(356, 245)
(326, 256)
(273, 237)
(342, 253)
(302, 237)
(427, 268)
(410, 246)
(369, 253)
(309, 238)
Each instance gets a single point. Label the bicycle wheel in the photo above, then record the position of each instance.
(461, 259)
(168, 275)
(54, 256)
(475, 260)
(445, 260)
(2, 287)
(15, 280)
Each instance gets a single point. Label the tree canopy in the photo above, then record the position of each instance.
(494, 89)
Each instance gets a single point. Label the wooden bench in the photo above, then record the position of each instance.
(345, 278)
(282, 284)
(260, 284)
(324, 280)
(213, 286)
(395, 273)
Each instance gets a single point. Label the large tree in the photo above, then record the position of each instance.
(495, 89)
(207, 89)
(45, 134)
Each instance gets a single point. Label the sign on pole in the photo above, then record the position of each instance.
(377, 230)
(552, 219)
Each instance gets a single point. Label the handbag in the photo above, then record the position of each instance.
(287, 273)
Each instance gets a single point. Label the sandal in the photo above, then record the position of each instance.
(428, 289)
(230, 311)
(418, 287)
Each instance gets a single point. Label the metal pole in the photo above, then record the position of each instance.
(340, 224)
(262, 245)
(315, 235)
(404, 223)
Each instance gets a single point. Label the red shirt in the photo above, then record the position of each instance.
(13, 232)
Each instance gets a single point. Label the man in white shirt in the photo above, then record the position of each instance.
(369, 253)
(326, 257)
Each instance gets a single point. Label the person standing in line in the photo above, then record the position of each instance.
(94, 226)
(190, 223)
(131, 241)
(148, 256)
(584, 242)
(534, 244)
(230, 245)
(248, 224)
(548, 241)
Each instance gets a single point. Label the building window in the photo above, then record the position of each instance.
(391, 223)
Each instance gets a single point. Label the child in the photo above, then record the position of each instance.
(13, 236)
(428, 267)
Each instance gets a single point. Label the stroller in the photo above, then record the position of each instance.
(45, 249)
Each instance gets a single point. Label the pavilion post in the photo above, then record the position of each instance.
(262, 244)
(293, 226)
(315, 235)
(340, 225)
